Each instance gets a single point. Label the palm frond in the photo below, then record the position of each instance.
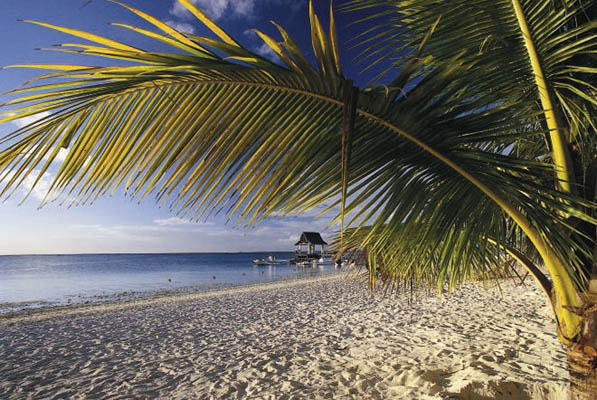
(221, 129)
(489, 34)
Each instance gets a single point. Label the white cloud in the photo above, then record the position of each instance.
(21, 122)
(267, 52)
(181, 26)
(263, 49)
(136, 232)
(173, 221)
(60, 156)
(40, 190)
(95, 235)
(131, 233)
(218, 9)
(214, 8)
(36, 190)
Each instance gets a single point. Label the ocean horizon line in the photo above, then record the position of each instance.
(146, 253)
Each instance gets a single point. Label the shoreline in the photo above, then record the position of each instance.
(118, 303)
(49, 283)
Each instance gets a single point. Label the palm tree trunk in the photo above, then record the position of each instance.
(583, 374)
(582, 353)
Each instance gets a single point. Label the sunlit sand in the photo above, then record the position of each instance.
(318, 338)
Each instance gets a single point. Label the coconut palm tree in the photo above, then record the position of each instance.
(539, 55)
(447, 150)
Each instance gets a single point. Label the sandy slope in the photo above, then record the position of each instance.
(316, 339)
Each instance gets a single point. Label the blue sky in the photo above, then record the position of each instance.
(117, 224)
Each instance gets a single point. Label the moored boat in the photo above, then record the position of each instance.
(269, 260)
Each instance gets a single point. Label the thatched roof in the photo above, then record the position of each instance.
(311, 238)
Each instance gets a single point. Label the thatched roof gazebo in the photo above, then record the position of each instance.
(306, 247)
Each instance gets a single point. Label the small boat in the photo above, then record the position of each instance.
(304, 264)
(269, 260)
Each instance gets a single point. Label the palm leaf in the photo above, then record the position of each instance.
(529, 49)
(239, 134)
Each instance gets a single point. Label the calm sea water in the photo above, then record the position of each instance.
(47, 280)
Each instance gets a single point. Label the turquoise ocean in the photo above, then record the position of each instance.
(33, 281)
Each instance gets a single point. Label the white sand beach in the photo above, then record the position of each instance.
(324, 338)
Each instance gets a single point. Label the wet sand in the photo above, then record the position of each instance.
(319, 338)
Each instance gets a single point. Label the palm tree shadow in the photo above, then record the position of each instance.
(493, 390)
